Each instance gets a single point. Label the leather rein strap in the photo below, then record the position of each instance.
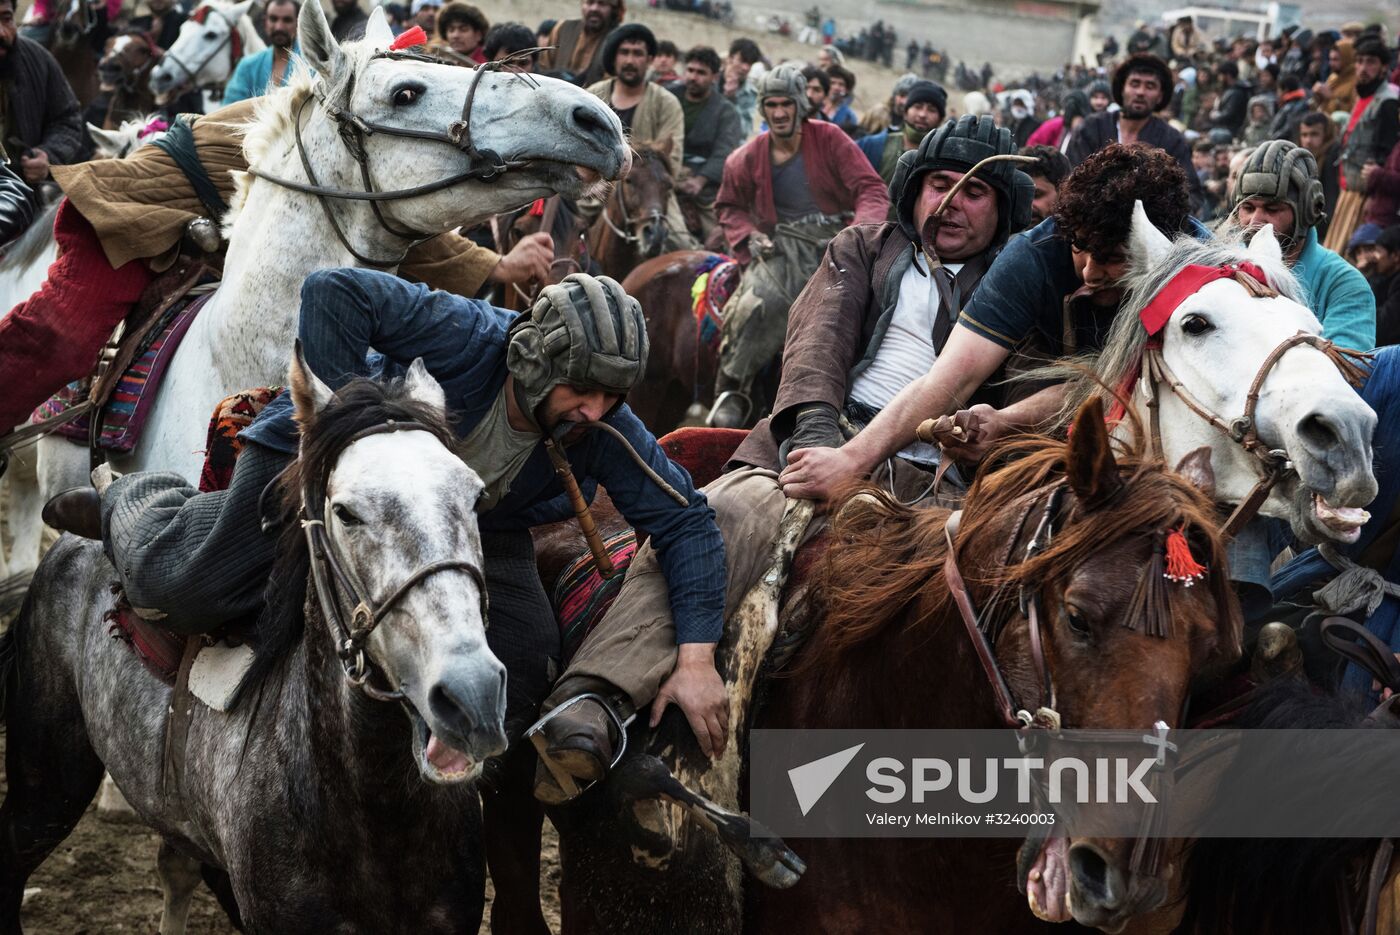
(484, 165)
(334, 577)
(1243, 429)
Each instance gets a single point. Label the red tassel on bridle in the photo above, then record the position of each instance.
(537, 209)
(1181, 566)
(408, 39)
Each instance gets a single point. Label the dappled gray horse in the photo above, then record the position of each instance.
(331, 804)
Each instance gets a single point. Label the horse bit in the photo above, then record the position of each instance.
(192, 75)
(1147, 850)
(656, 216)
(484, 165)
(1243, 430)
(334, 576)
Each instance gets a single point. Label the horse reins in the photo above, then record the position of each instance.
(233, 38)
(1243, 430)
(335, 579)
(484, 165)
(1148, 847)
(656, 216)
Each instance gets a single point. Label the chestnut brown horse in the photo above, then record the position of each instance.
(681, 367)
(124, 73)
(71, 44)
(892, 652)
(632, 226)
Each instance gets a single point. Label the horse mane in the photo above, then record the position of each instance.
(899, 550)
(1097, 375)
(360, 404)
(34, 241)
(274, 120)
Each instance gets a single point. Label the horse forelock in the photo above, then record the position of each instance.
(900, 551)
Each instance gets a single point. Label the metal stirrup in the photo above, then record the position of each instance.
(618, 721)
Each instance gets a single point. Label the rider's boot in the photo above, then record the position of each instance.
(576, 748)
(77, 511)
(732, 404)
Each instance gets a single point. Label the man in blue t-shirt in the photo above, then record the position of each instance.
(1052, 292)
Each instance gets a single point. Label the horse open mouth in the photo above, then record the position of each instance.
(437, 761)
(1048, 881)
(1342, 522)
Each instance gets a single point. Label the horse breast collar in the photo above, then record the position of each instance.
(334, 576)
(484, 165)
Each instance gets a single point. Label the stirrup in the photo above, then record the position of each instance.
(724, 397)
(570, 785)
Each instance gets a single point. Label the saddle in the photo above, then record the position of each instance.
(128, 372)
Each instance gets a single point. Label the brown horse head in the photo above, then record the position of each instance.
(636, 207)
(1121, 641)
(126, 63)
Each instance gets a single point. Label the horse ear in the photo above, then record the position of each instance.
(1091, 469)
(1265, 245)
(1147, 244)
(422, 387)
(240, 10)
(377, 31)
(1195, 467)
(319, 48)
(309, 394)
(108, 141)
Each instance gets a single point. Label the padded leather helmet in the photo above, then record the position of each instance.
(1281, 171)
(585, 331)
(958, 146)
(786, 81)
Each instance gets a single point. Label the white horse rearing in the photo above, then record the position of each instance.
(1308, 423)
(437, 129)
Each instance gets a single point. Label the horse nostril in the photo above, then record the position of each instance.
(1095, 879)
(449, 709)
(590, 124)
(1318, 432)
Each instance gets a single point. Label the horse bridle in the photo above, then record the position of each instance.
(634, 222)
(233, 36)
(1243, 430)
(1148, 849)
(484, 165)
(335, 579)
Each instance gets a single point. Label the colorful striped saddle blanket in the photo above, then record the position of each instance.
(717, 276)
(124, 413)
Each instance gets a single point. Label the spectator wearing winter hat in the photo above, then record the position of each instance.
(509, 41)
(425, 14)
(1021, 118)
(1100, 95)
(1140, 87)
(925, 106)
(1378, 258)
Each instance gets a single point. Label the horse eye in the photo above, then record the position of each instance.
(1077, 621)
(406, 96)
(347, 518)
(1196, 325)
(210, 34)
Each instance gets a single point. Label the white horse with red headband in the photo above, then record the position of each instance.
(451, 146)
(1217, 348)
(209, 47)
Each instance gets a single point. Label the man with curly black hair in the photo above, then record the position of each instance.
(1052, 292)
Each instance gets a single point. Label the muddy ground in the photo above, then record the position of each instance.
(102, 879)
